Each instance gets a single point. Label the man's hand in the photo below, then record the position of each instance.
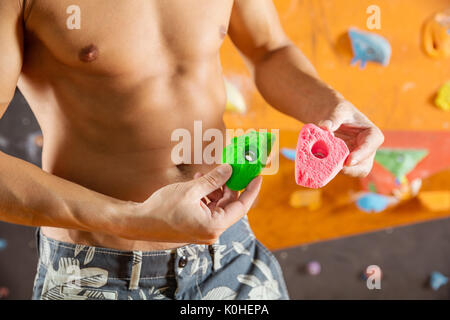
(361, 136)
(197, 211)
(289, 82)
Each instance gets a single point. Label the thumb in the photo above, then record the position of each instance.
(333, 122)
(212, 180)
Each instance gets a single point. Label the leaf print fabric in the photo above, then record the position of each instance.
(239, 247)
(89, 255)
(78, 249)
(249, 280)
(236, 267)
(157, 294)
(220, 293)
(261, 290)
(70, 281)
(136, 270)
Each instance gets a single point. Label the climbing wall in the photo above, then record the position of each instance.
(399, 98)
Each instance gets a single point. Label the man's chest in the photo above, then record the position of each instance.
(122, 35)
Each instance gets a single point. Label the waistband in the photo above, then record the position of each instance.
(152, 264)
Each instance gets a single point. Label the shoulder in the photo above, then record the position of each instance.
(15, 7)
(25, 7)
(11, 9)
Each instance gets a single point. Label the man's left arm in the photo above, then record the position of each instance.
(289, 82)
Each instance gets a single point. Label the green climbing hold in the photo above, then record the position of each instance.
(400, 161)
(247, 155)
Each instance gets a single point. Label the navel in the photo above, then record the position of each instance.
(89, 53)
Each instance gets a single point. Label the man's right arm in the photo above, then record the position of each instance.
(175, 213)
(28, 195)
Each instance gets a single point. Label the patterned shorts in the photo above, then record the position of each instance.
(237, 266)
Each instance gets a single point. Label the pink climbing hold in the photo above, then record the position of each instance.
(314, 268)
(4, 292)
(319, 156)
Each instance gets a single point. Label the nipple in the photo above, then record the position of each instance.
(89, 53)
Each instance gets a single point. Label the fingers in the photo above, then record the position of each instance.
(211, 181)
(213, 196)
(228, 197)
(221, 218)
(337, 118)
(251, 193)
(368, 142)
(198, 175)
(328, 125)
(235, 210)
(362, 169)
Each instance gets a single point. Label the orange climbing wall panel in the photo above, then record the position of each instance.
(397, 97)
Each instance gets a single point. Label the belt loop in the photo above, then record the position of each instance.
(135, 270)
(216, 250)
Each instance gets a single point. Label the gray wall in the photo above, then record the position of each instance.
(18, 130)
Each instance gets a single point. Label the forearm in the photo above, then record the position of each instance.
(30, 196)
(289, 82)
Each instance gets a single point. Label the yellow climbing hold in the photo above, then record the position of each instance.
(436, 37)
(311, 199)
(435, 200)
(235, 100)
(443, 97)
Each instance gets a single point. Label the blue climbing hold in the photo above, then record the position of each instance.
(3, 243)
(288, 153)
(372, 202)
(437, 280)
(369, 46)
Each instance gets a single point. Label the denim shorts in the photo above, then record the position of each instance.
(236, 267)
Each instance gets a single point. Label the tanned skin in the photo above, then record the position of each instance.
(109, 95)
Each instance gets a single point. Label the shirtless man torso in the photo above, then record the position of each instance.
(109, 94)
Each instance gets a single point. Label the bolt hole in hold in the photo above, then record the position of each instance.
(319, 149)
(250, 155)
